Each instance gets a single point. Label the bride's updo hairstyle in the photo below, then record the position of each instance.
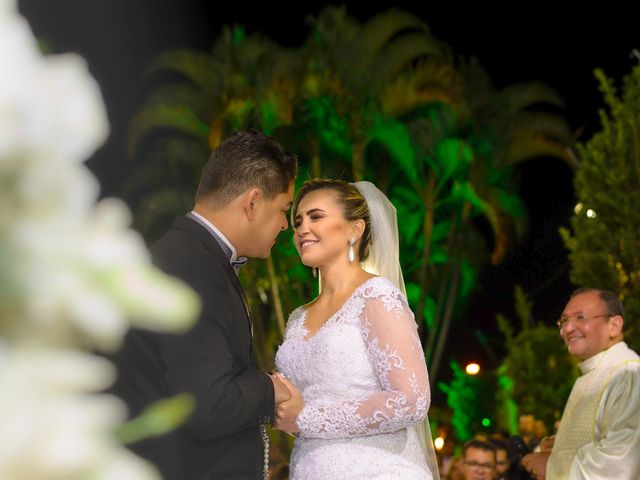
(354, 206)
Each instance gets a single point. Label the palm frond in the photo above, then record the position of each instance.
(385, 30)
(435, 80)
(522, 95)
(182, 95)
(195, 66)
(156, 211)
(400, 54)
(177, 118)
(525, 144)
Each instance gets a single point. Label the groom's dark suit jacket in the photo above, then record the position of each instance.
(213, 361)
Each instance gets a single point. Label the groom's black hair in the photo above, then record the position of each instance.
(246, 159)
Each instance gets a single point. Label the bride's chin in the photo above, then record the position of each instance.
(307, 263)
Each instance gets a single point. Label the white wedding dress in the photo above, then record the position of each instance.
(365, 387)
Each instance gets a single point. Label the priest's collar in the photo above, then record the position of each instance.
(591, 363)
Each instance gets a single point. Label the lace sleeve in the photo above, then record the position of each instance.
(394, 349)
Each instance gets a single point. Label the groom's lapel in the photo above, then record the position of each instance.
(212, 246)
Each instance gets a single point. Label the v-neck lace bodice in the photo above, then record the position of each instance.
(302, 313)
(364, 381)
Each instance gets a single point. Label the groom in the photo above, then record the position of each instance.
(244, 193)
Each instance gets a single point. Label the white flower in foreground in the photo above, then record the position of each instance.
(7, 5)
(72, 275)
(92, 278)
(70, 268)
(49, 106)
(54, 425)
(97, 277)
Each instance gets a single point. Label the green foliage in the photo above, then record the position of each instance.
(157, 419)
(332, 128)
(468, 279)
(410, 215)
(537, 373)
(523, 306)
(179, 118)
(394, 135)
(507, 414)
(604, 243)
(451, 157)
(470, 397)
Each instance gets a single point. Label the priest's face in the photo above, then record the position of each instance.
(587, 328)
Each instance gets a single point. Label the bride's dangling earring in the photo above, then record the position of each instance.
(351, 253)
(314, 271)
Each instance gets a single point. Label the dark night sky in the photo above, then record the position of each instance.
(561, 48)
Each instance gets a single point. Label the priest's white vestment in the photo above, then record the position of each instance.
(599, 435)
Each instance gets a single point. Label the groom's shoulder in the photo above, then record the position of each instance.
(184, 238)
(185, 248)
(182, 229)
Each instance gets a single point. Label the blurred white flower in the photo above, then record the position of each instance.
(54, 425)
(124, 465)
(70, 102)
(49, 106)
(96, 276)
(69, 265)
(7, 5)
(72, 274)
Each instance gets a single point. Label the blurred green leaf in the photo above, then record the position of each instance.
(413, 292)
(158, 419)
(451, 158)
(395, 137)
(429, 311)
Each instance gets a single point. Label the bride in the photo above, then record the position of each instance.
(352, 357)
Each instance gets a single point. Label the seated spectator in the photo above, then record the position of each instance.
(455, 471)
(479, 460)
(502, 458)
(539, 430)
(526, 423)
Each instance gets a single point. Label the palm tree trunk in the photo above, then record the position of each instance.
(446, 323)
(357, 163)
(427, 230)
(316, 162)
(456, 247)
(440, 301)
(275, 293)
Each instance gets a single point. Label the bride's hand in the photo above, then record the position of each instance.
(287, 412)
(280, 390)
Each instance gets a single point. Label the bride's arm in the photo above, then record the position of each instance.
(394, 349)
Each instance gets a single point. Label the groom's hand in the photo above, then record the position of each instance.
(280, 390)
(287, 412)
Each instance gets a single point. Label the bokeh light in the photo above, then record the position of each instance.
(472, 368)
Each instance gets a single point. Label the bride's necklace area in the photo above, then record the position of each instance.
(320, 315)
(316, 317)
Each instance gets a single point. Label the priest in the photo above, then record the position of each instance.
(599, 435)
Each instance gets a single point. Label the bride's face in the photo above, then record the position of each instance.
(321, 233)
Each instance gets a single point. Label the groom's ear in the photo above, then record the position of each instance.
(250, 200)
